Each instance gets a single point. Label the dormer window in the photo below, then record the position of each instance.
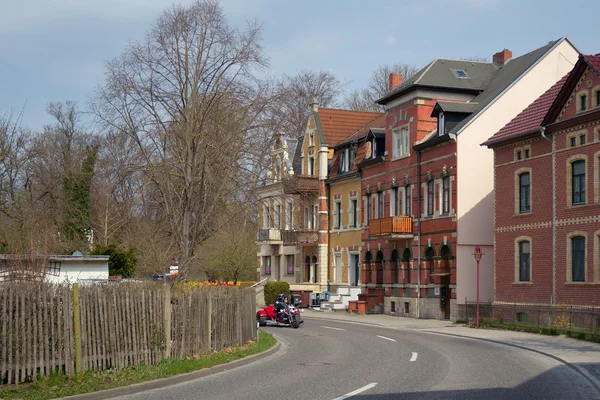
(583, 102)
(346, 160)
(311, 139)
(441, 124)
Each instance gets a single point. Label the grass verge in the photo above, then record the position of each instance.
(575, 333)
(61, 386)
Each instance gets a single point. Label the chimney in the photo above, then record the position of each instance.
(502, 57)
(314, 105)
(395, 80)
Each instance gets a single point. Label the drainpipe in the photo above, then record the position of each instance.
(419, 234)
(553, 223)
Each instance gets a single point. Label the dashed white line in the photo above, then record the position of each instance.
(331, 327)
(386, 338)
(414, 357)
(357, 391)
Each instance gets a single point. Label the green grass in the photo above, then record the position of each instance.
(575, 333)
(61, 386)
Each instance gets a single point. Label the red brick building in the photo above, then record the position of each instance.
(547, 204)
(417, 258)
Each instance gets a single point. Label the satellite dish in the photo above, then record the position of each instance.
(77, 254)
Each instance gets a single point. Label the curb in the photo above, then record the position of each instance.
(172, 380)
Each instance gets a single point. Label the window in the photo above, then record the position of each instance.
(277, 217)
(578, 259)
(524, 261)
(526, 153)
(441, 124)
(373, 207)
(401, 142)
(266, 216)
(311, 165)
(573, 142)
(430, 197)
(524, 193)
(367, 209)
(407, 200)
(53, 268)
(379, 204)
(353, 217)
(394, 203)
(311, 139)
(582, 139)
(460, 73)
(342, 161)
(337, 214)
(315, 217)
(446, 195)
(289, 215)
(267, 265)
(522, 317)
(519, 155)
(583, 102)
(289, 260)
(598, 98)
(578, 182)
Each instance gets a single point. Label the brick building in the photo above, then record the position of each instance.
(427, 187)
(547, 228)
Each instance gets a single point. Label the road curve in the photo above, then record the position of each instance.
(330, 360)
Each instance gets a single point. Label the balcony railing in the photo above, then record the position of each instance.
(300, 236)
(269, 235)
(401, 225)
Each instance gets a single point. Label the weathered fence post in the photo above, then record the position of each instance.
(209, 319)
(77, 328)
(167, 319)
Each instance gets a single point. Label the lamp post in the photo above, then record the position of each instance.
(477, 254)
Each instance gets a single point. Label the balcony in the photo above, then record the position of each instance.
(269, 236)
(393, 227)
(301, 237)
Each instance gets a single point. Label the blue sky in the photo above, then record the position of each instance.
(55, 50)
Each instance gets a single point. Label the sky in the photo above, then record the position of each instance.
(55, 50)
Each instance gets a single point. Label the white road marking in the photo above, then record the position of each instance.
(386, 338)
(414, 357)
(331, 327)
(357, 391)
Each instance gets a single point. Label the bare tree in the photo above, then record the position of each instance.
(378, 86)
(297, 93)
(188, 96)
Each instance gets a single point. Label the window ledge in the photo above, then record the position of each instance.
(525, 214)
(580, 206)
(394, 158)
(582, 283)
(523, 283)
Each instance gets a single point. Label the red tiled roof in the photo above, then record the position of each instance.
(378, 122)
(338, 124)
(594, 61)
(531, 117)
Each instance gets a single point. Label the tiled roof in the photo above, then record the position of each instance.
(530, 118)
(338, 124)
(377, 123)
(594, 61)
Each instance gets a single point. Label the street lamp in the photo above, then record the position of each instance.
(477, 254)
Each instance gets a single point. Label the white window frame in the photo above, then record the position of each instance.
(337, 214)
(277, 215)
(441, 124)
(401, 142)
(405, 204)
(289, 214)
(353, 213)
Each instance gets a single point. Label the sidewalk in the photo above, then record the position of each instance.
(583, 356)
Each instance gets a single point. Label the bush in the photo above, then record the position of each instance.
(272, 289)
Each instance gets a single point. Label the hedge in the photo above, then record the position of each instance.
(272, 289)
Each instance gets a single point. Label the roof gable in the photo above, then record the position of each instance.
(584, 79)
(530, 118)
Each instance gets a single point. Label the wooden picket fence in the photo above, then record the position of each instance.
(47, 329)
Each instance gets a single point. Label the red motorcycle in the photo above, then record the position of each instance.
(289, 317)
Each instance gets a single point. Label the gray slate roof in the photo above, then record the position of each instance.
(455, 106)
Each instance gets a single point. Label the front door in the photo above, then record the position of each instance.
(353, 270)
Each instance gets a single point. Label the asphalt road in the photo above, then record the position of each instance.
(337, 360)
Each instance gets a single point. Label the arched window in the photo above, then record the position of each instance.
(395, 260)
(406, 257)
